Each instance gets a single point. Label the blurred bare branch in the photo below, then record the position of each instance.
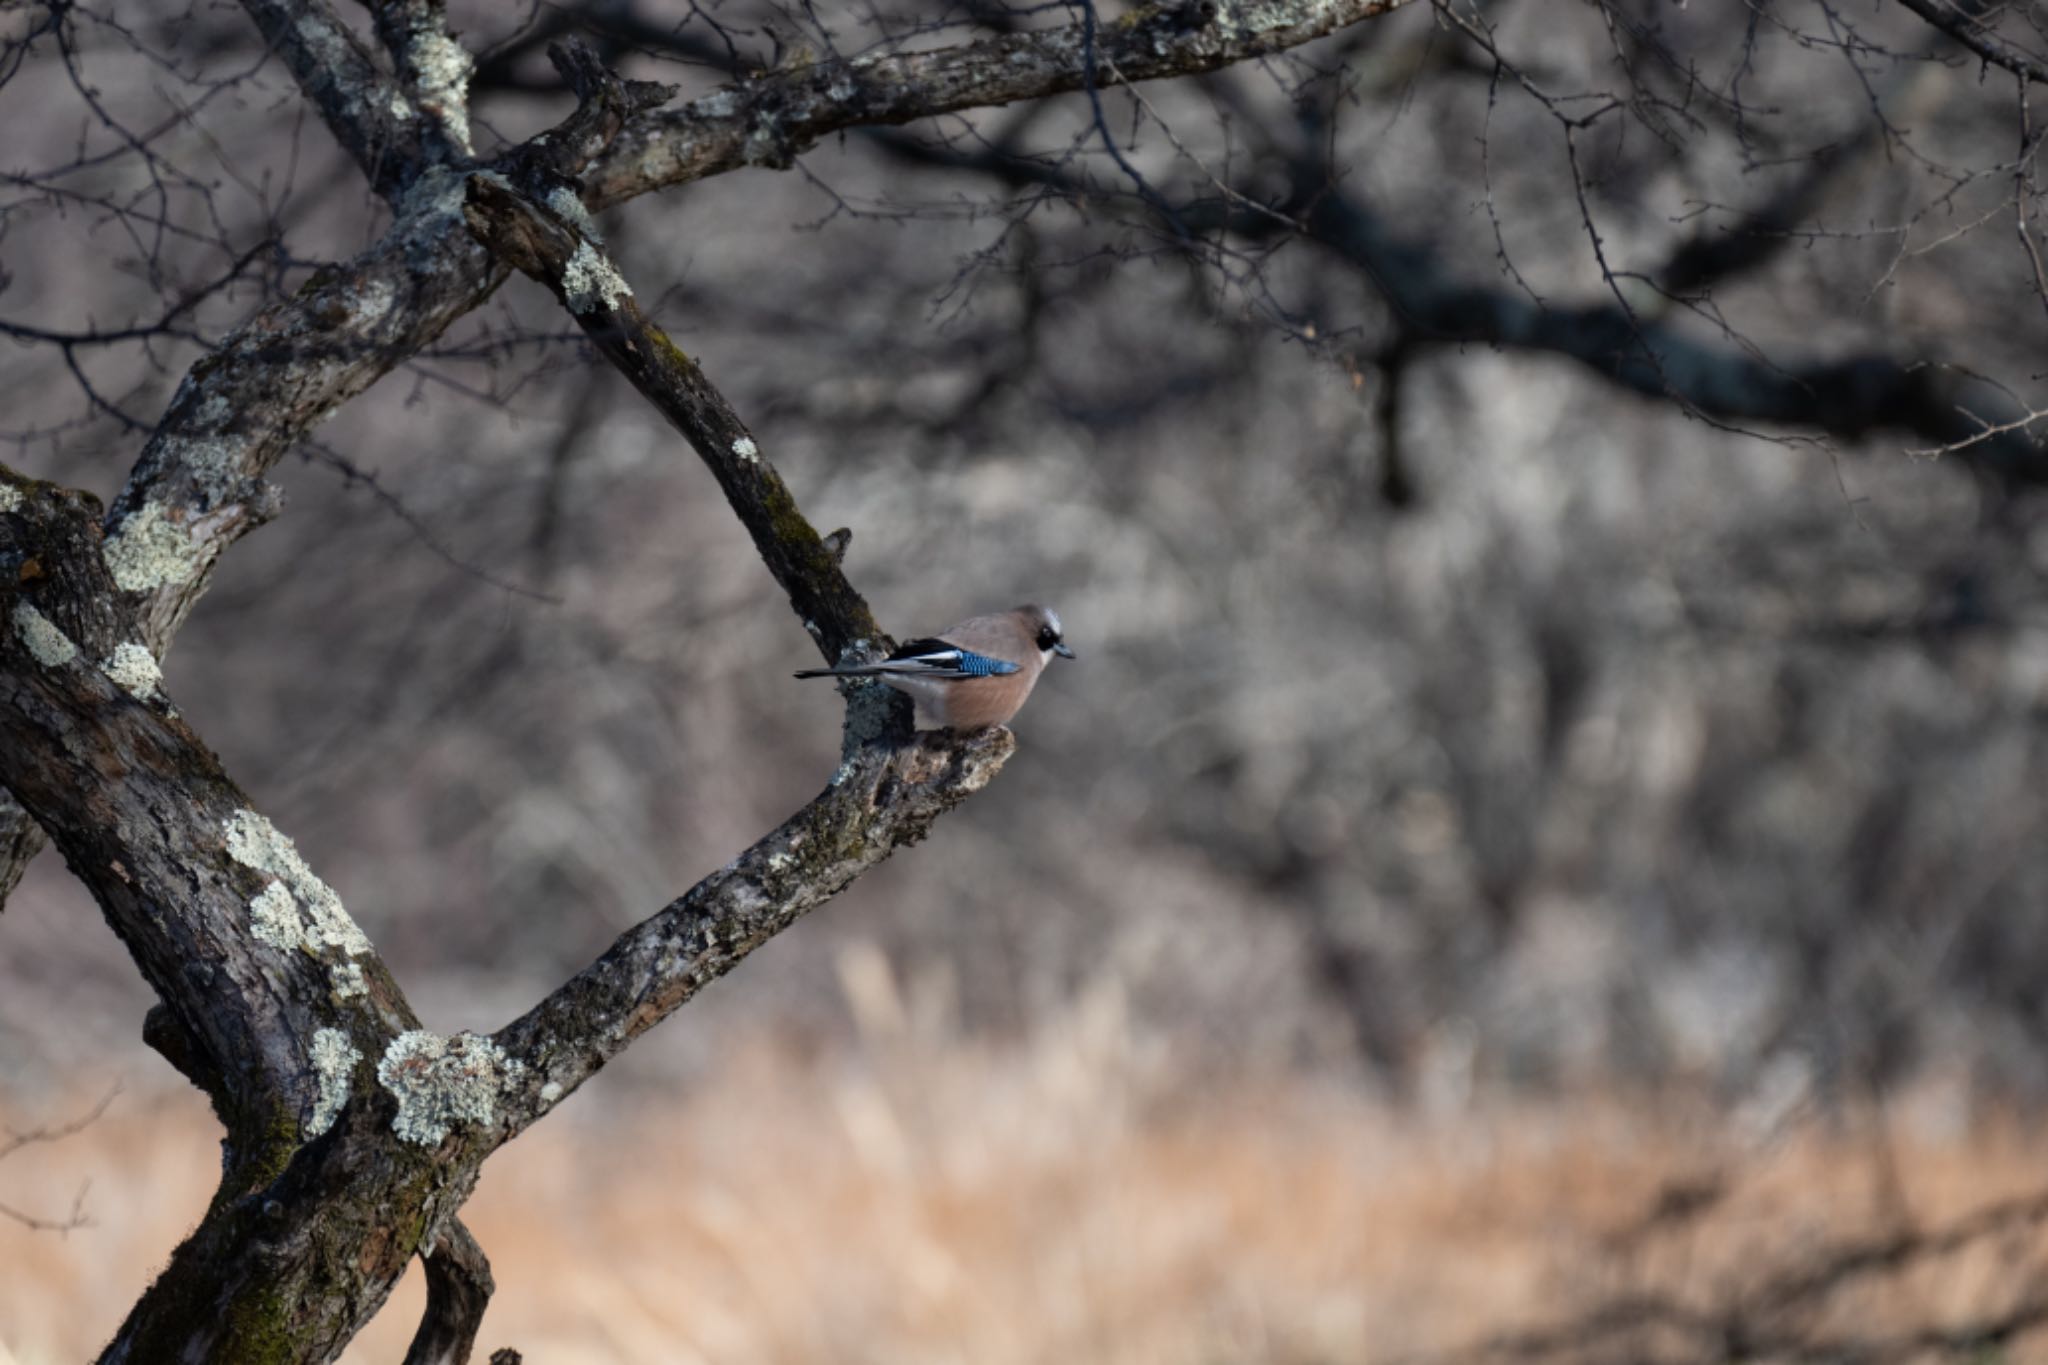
(18, 1138)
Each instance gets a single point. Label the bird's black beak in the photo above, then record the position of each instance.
(1062, 650)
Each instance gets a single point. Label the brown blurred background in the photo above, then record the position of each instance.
(1516, 855)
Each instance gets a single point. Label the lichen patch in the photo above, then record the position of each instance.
(215, 462)
(325, 42)
(589, 282)
(374, 299)
(441, 1082)
(347, 980)
(441, 68)
(568, 206)
(254, 842)
(133, 669)
(334, 1062)
(274, 919)
(49, 646)
(149, 550)
(10, 497)
(745, 448)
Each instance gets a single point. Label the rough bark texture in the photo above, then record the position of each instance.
(767, 122)
(360, 105)
(269, 994)
(353, 1136)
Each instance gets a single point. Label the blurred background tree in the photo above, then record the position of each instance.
(1546, 496)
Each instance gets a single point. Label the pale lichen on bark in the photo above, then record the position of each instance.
(440, 68)
(566, 205)
(334, 1059)
(46, 644)
(133, 669)
(152, 550)
(589, 282)
(441, 1082)
(347, 980)
(254, 842)
(274, 919)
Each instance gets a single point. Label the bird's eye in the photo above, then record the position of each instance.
(1048, 637)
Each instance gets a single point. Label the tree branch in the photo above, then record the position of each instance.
(369, 115)
(353, 1135)
(880, 799)
(272, 1000)
(767, 122)
(435, 69)
(198, 485)
(1966, 28)
(459, 1288)
(250, 954)
(1848, 397)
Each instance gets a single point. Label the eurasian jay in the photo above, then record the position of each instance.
(973, 675)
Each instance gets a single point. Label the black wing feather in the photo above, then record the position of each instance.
(931, 644)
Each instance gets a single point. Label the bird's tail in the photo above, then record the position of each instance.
(861, 670)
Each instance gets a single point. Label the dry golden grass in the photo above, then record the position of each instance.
(1074, 1200)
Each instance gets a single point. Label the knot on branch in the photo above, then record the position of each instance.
(604, 102)
(595, 83)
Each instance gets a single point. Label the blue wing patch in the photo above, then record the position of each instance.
(982, 666)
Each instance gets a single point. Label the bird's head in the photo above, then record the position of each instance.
(1046, 631)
